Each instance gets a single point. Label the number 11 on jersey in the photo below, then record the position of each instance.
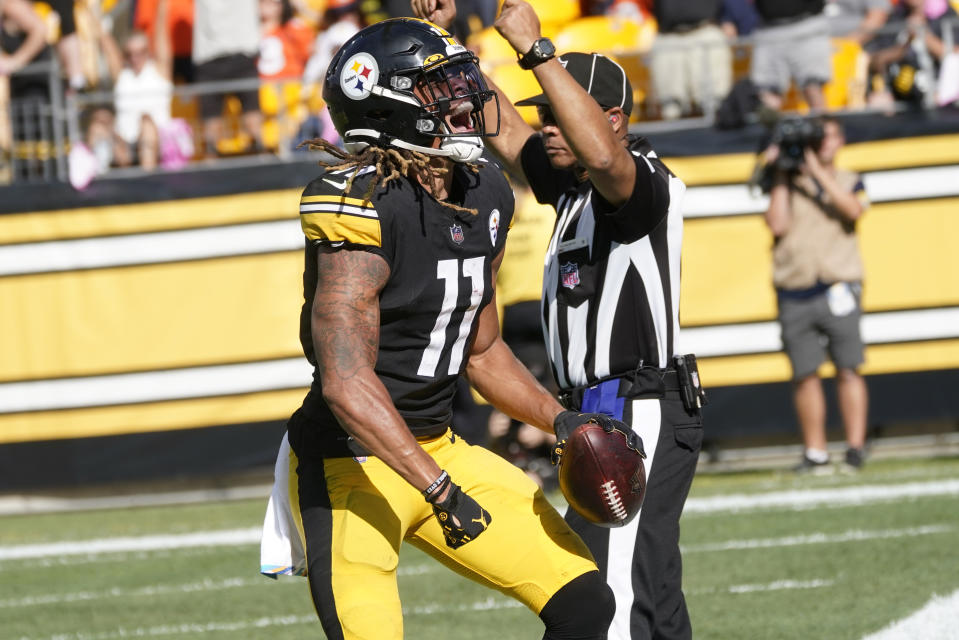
(449, 272)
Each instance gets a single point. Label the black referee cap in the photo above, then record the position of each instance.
(601, 77)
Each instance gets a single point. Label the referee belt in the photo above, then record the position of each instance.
(645, 382)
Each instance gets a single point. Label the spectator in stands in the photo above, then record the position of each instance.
(180, 31)
(16, 51)
(791, 45)
(817, 271)
(68, 44)
(910, 59)
(341, 20)
(226, 40)
(286, 41)
(92, 59)
(739, 18)
(857, 19)
(143, 94)
(24, 35)
(691, 59)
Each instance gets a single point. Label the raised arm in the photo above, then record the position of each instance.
(586, 127)
(345, 329)
(513, 130)
(502, 379)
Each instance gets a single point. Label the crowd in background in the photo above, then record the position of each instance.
(877, 53)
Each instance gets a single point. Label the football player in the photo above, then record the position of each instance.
(404, 233)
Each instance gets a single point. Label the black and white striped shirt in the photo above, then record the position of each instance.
(611, 279)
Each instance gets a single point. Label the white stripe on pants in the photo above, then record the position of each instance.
(646, 422)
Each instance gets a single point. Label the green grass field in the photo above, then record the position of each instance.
(768, 555)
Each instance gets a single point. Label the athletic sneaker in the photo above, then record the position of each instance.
(810, 466)
(854, 460)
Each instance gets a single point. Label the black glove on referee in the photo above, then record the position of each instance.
(567, 421)
(460, 517)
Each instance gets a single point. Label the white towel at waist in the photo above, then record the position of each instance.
(282, 546)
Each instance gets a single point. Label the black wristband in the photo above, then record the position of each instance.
(436, 487)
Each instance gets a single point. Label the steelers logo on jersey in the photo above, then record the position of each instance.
(359, 76)
(494, 226)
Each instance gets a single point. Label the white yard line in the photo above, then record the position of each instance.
(193, 629)
(117, 592)
(166, 589)
(935, 621)
(228, 537)
(802, 499)
(817, 538)
(797, 500)
(188, 629)
(777, 585)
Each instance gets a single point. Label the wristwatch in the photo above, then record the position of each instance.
(541, 51)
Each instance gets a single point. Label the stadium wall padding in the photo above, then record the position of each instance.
(149, 327)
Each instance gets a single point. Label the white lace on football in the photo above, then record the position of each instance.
(611, 496)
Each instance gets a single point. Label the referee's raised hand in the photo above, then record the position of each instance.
(518, 24)
(439, 12)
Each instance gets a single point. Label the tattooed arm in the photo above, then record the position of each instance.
(345, 326)
(502, 379)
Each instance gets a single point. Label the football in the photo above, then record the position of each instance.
(601, 477)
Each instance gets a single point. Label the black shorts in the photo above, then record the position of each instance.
(233, 67)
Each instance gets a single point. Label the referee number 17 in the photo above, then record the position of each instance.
(449, 272)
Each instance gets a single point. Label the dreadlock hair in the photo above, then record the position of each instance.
(390, 164)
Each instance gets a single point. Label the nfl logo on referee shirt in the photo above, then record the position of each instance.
(456, 233)
(569, 274)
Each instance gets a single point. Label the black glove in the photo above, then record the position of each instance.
(460, 517)
(567, 421)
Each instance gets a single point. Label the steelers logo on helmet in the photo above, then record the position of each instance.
(406, 83)
(359, 76)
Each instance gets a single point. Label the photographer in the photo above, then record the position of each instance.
(817, 272)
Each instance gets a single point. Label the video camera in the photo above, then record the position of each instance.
(793, 136)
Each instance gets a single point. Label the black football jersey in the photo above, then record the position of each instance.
(440, 279)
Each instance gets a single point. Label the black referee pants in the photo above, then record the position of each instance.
(641, 561)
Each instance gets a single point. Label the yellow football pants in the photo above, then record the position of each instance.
(356, 513)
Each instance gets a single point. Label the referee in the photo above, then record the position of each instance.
(610, 300)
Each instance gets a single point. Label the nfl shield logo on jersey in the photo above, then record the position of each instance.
(569, 274)
(456, 233)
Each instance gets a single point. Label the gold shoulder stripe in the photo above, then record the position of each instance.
(355, 202)
(341, 227)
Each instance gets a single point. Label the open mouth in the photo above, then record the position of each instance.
(460, 117)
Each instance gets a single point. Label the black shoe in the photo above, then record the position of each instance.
(855, 458)
(807, 465)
